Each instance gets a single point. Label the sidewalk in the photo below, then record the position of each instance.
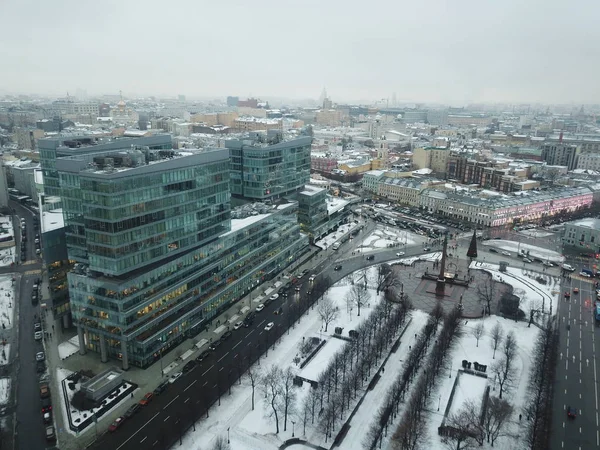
(147, 379)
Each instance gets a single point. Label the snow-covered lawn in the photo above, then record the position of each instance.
(4, 391)
(76, 415)
(533, 294)
(534, 251)
(471, 387)
(68, 348)
(7, 295)
(321, 359)
(332, 238)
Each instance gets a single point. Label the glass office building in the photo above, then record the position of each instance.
(157, 252)
(269, 166)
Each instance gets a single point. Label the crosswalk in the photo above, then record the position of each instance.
(33, 272)
(584, 279)
(30, 262)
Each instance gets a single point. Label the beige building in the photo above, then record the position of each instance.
(26, 138)
(256, 124)
(212, 119)
(329, 117)
(402, 190)
(434, 158)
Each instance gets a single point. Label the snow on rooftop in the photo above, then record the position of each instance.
(588, 223)
(52, 220)
(238, 224)
(335, 204)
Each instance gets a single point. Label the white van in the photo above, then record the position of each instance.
(336, 245)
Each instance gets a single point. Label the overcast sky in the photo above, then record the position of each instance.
(454, 51)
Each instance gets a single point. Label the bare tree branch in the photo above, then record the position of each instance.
(328, 311)
(478, 331)
(358, 296)
(497, 335)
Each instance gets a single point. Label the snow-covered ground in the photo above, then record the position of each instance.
(533, 294)
(471, 387)
(4, 391)
(76, 415)
(430, 257)
(7, 229)
(535, 233)
(384, 237)
(4, 354)
(7, 295)
(68, 348)
(7, 256)
(534, 251)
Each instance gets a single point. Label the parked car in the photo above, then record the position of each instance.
(46, 405)
(214, 344)
(226, 335)
(116, 424)
(274, 297)
(132, 410)
(50, 434)
(162, 387)
(44, 390)
(238, 325)
(147, 398)
(40, 356)
(400, 254)
(38, 335)
(260, 307)
(47, 417)
(202, 356)
(568, 268)
(269, 326)
(37, 326)
(585, 274)
(527, 260)
(189, 366)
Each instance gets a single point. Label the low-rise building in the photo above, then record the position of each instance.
(583, 235)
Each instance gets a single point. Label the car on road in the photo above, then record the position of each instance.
(567, 294)
(202, 356)
(189, 366)
(38, 335)
(575, 290)
(37, 326)
(147, 398)
(312, 278)
(305, 271)
(226, 335)
(426, 249)
(44, 390)
(568, 268)
(238, 325)
(132, 410)
(173, 378)
(571, 412)
(338, 267)
(213, 346)
(278, 311)
(493, 250)
(505, 253)
(585, 274)
(260, 307)
(269, 326)
(298, 287)
(116, 424)
(274, 297)
(47, 417)
(527, 260)
(40, 356)
(400, 253)
(370, 257)
(50, 434)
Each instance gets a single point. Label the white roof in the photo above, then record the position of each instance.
(52, 220)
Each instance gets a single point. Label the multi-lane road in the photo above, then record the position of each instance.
(576, 373)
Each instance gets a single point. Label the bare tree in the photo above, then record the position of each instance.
(271, 385)
(288, 395)
(220, 443)
(496, 418)
(478, 331)
(486, 291)
(505, 370)
(497, 335)
(359, 296)
(383, 272)
(254, 378)
(463, 428)
(328, 311)
(363, 277)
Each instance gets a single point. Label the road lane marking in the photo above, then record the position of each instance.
(167, 405)
(139, 429)
(223, 357)
(145, 437)
(208, 370)
(186, 400)
(250, 333)
(205, 383)
(166, 419)
(190, 385)
(237, 344)
(260, 324)
(221, 368)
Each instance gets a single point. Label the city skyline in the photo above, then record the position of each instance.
(423, 52)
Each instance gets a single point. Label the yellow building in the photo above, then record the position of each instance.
(434, 158)
(329, 117)
(212, 119)
(255, 124)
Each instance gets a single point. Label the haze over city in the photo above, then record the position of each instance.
(432, 51)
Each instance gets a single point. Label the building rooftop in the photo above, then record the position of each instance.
(311, 190)
(593, 224)
(335, 204)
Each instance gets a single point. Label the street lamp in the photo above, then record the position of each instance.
(228, 435)
(293, 428)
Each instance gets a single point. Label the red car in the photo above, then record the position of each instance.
(147, 398)
(571, 412)
(116, 424)
(575, 290)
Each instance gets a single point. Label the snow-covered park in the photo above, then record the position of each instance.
(384, 237)
(532, 250)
